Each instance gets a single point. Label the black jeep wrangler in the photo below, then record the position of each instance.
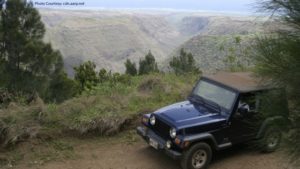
(223, 109)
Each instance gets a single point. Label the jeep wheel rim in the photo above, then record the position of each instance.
(273, 140)
(199, 159)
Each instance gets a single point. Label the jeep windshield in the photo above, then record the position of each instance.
(214, 95)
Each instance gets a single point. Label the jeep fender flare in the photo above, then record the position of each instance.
(202, 137)
(268, 122)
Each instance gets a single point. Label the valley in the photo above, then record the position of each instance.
(109, 37)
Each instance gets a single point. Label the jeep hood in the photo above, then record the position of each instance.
(186, 114)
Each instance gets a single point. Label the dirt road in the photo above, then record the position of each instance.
(139, 156)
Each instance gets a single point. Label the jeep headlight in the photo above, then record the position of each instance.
(152, 120)
(173, 132)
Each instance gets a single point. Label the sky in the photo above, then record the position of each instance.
(204, 5)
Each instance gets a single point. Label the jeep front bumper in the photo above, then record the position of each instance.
(148, 135)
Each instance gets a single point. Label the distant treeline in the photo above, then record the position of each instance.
(87, 76)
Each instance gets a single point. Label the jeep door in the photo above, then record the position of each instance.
(245, 125)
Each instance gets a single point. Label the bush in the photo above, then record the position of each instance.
(86, 75)
(151, 84)
(5, 97)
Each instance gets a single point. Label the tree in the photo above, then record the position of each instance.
(86, 75)
(27, 62)
(184, 63)
(62, 88)
(148, 65)
(130, 68)
(103, 76)
(277, 57)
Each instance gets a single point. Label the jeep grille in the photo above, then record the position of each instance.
(161, 129)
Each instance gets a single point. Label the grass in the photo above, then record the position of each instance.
(106, 110)
(142, 94)
(38, 133)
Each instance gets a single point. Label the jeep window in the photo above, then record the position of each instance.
(223, 97)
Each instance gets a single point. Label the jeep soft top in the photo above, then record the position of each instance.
(243, 82)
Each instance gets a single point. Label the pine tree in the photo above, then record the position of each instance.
(130, 68)
(86, 75)
(148, 65)
(277, 57)
(27, 62)
(61, 87)
(103, 76)
(184, 63)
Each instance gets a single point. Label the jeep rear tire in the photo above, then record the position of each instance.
(197, 157)
(271, 140)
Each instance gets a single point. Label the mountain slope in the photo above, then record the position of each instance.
(211, 52)
(217, 42)
(109, 37)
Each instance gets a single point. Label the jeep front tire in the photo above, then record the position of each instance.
(197, 157)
